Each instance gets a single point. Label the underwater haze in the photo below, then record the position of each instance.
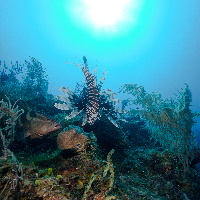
(129, 71)
(152, 43)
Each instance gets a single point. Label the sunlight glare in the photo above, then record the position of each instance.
(109, 13)
(105, 12)
(105, 18)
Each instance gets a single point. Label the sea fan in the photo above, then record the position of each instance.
(170, 121)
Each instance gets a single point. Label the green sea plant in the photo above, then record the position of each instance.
(28, 82)
(58, 177)
(37, 182)
(50, 171)
(10, 84)
(109, 167)
(170, 121)
(8, 115)
(35, 82)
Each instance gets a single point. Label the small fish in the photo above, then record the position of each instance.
(35, 125)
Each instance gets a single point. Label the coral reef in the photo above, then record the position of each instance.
(89, 104)
(103, 194)
(170, 122)
(77, 164)
(154, 174)
(8, 116)
(9, 81)
(29, 83)
(71, 139)
(35, 80)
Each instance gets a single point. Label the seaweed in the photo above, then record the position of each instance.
(28, 82)
(170, 121)
(13, 169)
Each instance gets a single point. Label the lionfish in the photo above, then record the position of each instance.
(91, 107)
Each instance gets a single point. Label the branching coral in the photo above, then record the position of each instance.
(27, 82)
(9, 83)
(170, 121)
(35, 81)
(8, 115)
(11, 113)
(109, 167)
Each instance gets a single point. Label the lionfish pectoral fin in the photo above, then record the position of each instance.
(113, 121)
(84, 120)
(73, 114)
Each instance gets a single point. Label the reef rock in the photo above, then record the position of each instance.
(71, 139)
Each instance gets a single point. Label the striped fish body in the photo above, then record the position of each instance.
(92, 106)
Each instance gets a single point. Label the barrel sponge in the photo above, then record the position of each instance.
(71, 139)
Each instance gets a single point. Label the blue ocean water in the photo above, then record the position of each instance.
(154, 44)
(148, 43)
